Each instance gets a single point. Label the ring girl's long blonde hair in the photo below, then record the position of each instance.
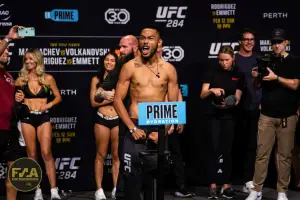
(40, 68)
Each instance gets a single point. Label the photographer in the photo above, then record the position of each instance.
(222, 88)
(278, 76)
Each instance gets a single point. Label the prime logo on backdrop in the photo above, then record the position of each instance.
(160, 113)
(62, 15)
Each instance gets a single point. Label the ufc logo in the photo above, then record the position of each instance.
(9, 51)
(216, 46)
(168, 12)
(67, 163)
(127, 161)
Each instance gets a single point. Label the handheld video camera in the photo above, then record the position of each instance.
(268, 60)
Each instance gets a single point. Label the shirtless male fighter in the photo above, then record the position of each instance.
(149, 79)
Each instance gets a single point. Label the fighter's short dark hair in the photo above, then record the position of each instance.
(246, 30)
(153, 28)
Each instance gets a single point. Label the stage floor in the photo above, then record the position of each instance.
(201, 192)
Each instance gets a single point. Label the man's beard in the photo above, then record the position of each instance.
(126, 58)
(152, 53)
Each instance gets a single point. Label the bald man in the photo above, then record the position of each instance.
(128, 50)
(128, 45)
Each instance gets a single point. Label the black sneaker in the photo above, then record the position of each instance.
(228, 193)
(182, 192)
(212, 193)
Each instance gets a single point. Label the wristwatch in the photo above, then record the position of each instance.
(132, 130)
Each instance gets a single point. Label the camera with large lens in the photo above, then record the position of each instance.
(269, 60)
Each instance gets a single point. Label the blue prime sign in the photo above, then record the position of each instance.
(62, 15)
(184, 90)
(160, 113)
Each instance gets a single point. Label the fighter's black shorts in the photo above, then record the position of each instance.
(107, 121)
(36, 119)
(134, 166)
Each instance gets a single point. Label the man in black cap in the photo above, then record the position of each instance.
(278, 116)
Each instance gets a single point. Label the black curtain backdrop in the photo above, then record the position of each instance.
(192, 33)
